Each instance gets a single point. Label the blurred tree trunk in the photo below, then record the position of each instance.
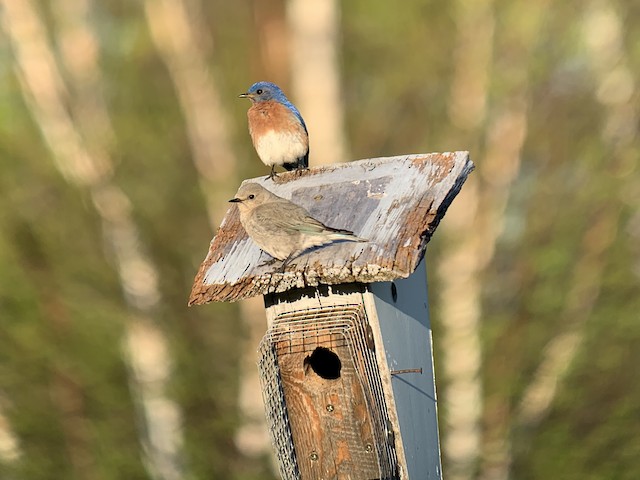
(460, 265)
(477, 222)
(506, 135)
(184, 44)
(10, 451)
(316, 76)
(79, 146)
(272, 41)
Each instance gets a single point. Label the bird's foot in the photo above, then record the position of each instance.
(268, 262)
(272, 176)
(284, 265)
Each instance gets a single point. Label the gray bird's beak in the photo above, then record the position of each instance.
(235, 200)
(245, 95)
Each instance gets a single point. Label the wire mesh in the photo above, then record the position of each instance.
(276, 412)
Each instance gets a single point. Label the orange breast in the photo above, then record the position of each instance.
(271, 115)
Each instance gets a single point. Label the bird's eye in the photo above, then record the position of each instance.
(252, 196)
(259, 91)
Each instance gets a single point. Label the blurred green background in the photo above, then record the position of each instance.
(121, 138)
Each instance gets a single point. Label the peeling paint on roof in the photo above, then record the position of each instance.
(394, 202)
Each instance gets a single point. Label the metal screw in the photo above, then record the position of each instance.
(369, 338)
(313, 456)
(369, 448)
(406, 370)
(330, 408)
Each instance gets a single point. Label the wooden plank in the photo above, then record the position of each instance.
(403, 315)
(396, 203)
(330, 425)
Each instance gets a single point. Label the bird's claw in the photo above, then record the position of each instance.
(273, 174)
(268, 262)
(280, 269)
(284, 265)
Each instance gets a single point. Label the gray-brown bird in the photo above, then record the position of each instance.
(281, 228)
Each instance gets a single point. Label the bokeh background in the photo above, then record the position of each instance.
(122, 137)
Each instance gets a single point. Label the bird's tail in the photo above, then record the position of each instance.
(339, 234)
(301, 164)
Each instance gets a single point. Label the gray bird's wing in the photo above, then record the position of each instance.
(289, 217)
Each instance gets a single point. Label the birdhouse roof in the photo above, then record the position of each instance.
(394, 202)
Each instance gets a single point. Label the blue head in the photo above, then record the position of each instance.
(266, 91)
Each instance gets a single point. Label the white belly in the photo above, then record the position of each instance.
(276, 148)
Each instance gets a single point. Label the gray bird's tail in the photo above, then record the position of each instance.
(339, 234)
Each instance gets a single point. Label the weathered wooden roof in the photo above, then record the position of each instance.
(396, 203)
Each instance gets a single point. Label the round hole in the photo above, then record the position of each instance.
(324, 363)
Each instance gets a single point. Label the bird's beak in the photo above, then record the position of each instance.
(235, 200)
(246, 95)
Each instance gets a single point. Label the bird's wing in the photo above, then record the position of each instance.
(289, 217)
(310, 225)
(295, 111)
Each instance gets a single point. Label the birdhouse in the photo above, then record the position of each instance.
(346, 362)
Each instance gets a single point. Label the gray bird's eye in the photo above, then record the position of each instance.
(259, 91)
(252, 196)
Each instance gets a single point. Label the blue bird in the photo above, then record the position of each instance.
(277, 129)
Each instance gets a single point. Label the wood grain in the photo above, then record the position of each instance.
(330, 424)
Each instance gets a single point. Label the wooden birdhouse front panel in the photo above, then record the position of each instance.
(337, 414)
(330, 423)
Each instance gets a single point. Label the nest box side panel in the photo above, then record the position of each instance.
(403, 315)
